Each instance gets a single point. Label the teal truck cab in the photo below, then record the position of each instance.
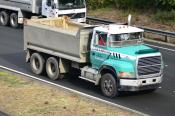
(112, 56)
(123, 61)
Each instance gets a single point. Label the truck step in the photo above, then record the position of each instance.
(90, 74)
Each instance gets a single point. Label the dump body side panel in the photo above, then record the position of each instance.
(33, 6)
(69, 44)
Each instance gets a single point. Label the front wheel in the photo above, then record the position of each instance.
(109, 85)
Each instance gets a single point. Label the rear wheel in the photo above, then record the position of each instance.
(4, 18)
(52, 68)
(14, 20)
(109, 85)
(37, 63)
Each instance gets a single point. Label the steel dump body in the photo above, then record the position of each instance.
(33, 6)
(47, 36)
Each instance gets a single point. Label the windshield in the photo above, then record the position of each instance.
(71, 4)
(116, 40)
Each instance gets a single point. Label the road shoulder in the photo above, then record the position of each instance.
(30, 97)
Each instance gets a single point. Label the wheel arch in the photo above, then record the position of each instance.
(29, 53)
(108, 69)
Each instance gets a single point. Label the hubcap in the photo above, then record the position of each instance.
(2, 18)
(108, 86)
(36, 64)
(52, 68)
(13, 21)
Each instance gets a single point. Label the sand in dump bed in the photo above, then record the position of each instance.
(60, 22)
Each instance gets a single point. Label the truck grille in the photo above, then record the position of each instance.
(149, 65)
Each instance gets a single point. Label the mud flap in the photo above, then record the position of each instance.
(27, 56)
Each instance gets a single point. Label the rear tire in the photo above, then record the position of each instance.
(109, 85)
(37, 63)
(14, 20)
(52, 68)
(4, 18)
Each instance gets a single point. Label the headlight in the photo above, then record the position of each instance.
(126, 75)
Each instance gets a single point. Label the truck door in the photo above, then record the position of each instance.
(48, 8)
(99, 51)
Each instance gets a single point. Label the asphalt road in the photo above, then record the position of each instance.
(3, 114)
(158, 103)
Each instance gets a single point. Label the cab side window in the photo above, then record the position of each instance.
(100, 39)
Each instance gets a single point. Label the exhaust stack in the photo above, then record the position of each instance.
(129, 19)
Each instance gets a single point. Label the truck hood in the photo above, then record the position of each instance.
(134, 51)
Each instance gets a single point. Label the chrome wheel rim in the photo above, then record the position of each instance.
(36, 64)
(2, 18)
(108, 86)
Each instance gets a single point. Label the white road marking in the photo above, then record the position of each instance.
(172, 50)
(166, 65)
(74, 91)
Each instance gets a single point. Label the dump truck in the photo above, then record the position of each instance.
(112, 56)
(14, 12)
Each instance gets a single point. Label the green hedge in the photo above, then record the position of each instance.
(133, 4)
(166, 4)
(93, 4)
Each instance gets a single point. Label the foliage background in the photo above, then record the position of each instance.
(133, 4)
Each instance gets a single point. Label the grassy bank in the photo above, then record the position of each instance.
(21, 97)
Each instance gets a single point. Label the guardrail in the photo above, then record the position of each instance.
(166, 34)
(101, 21)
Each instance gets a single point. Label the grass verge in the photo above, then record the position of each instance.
(23, 97)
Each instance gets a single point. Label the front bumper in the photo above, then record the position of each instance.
(140, 84)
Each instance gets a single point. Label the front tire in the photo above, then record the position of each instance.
(109, 85)
(37, 63)
(4, 18)
(52, 68)
(14, 20)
